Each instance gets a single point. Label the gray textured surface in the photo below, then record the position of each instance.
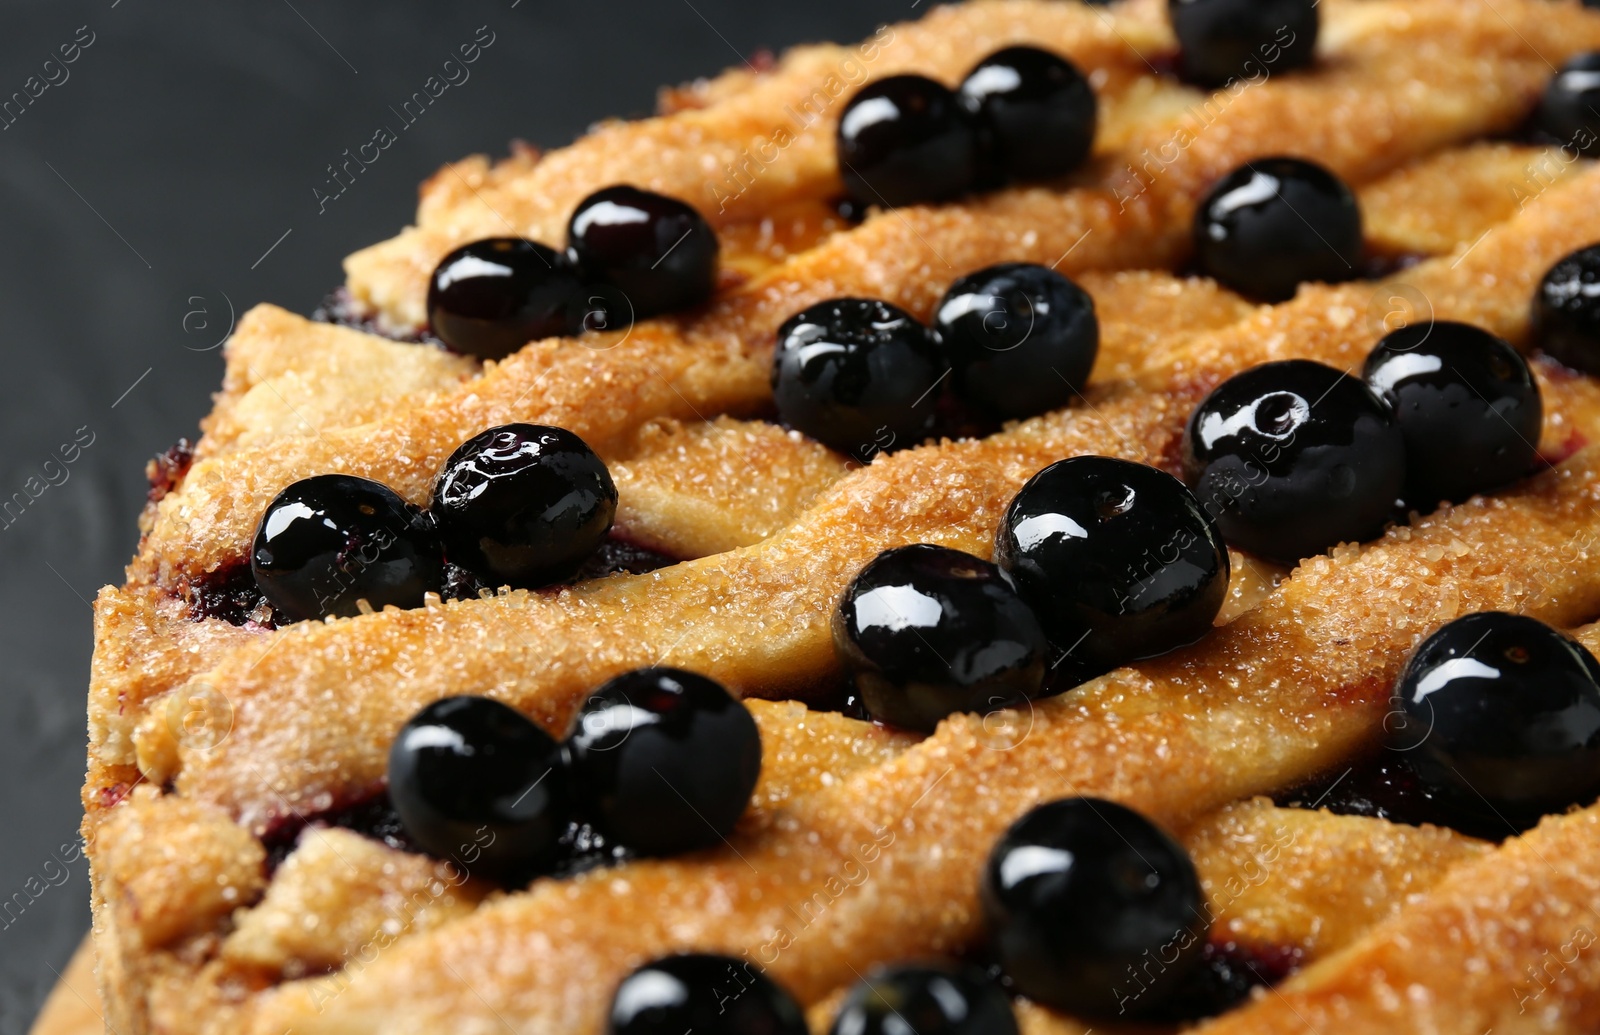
(144, 186)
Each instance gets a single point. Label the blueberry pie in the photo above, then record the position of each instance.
(1056, 517)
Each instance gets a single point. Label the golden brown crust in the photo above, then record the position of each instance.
(288, 376)
(174, 866)
(1504, 943)
(1311, 881)
(1451, 199)
(356, 892)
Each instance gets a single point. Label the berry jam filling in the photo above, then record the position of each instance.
(617, 556)
(230, 593)
(1384, 786)
(338, 307)
(1378, 265)
(167, 470)
(1224, 978)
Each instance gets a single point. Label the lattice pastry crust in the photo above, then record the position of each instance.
(207, 739)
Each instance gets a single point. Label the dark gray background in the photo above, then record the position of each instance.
(145, 188)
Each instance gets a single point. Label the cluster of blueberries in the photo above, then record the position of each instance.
(659, 761)
(630, 254)
(520, 504)
(1100, 561)
(1021, 114)
(864, 376)
(1025, 114)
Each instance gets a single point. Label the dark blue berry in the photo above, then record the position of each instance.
(665, 760)
(1092, 909)
(1501, 716)
(1294, 457)
(926, 631)
(1118, 559)
(1566, 310)
(1467, 405)
(1021, 339)
(478, 783)
(928, 999)
(1220, 40)
(858, 375)
(330, 541)
(491, 297)
(904, 140)
(1035, 112)
(523, 504)
(1274, 223)
(1569, 111)
(660, 253)
(695, 994)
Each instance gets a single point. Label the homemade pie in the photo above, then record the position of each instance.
(253, 873)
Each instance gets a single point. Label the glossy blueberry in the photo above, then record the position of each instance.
(703, 995)
(478, 783)
(1274, 223)
(1502, 715)
(330, 541)
(904, 140)
(1080, 895)
(925, 998)
(1034, 110)
(660, 253)
(1117, 559)
(491, 297)
(665, 760)
(1569, 111)
(1566, 310)
(858, 375)
(1294, 457)
(1242, 39)
(1021, 338)
(1467, 405)
(925, 631)
(523, 504)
